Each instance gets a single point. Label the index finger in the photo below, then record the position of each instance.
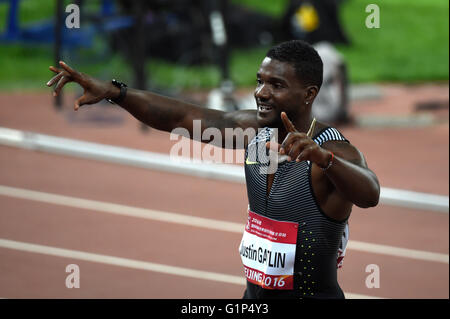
(287, 123)
(55, 70)
(71, 71)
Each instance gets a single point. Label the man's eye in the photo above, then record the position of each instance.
(277, 85)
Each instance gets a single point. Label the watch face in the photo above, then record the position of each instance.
(118, 84)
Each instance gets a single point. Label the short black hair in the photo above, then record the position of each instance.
(305, 59)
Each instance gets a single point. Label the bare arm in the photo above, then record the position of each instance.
(349, 175)
(166, 114)
(158, 111)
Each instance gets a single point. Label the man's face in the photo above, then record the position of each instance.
(278, 89)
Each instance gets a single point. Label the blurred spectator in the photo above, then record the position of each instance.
(314, 21)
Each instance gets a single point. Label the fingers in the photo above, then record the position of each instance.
(296, 145)
(287, 123)
(289, 140)
(79, 102)
(71, 71)
(63, 80)
(305, 153)
(274, 146)
(53, 69)
(56, 78)
(297, 148)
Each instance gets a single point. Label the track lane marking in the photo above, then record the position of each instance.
(135, 264)
(164, 162)
(207, 223)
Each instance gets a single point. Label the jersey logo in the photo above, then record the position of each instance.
(248, 162)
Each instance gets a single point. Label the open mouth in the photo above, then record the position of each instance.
(264, 108)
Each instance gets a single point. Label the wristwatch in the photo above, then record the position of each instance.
(123, 92)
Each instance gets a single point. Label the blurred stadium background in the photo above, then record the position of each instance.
(140, 226)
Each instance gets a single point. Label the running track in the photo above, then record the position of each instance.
(138, 251)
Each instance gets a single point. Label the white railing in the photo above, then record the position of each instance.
(163, 162)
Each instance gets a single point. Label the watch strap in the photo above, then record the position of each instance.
(123, 92)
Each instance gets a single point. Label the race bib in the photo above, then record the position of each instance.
(268, 252)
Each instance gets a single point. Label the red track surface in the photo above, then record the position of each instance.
(407, 158)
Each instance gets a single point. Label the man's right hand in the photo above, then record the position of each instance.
(94, 90)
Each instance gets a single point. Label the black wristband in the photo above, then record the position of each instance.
(123, 92)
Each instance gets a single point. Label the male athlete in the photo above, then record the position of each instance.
(298, 212)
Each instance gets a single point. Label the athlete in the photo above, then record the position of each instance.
(298, 208)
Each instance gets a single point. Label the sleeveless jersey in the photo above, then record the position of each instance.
(290, 248)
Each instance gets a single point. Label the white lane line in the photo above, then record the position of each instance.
(134, 264)
(122, 262)
(118, 209)
(414, 200)
(163, 162)
(397, 251)
(207, 223)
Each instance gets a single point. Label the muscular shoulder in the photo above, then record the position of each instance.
(341, 148)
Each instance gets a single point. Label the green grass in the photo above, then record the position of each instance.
(274, 8)
(411, 45)
(243, 67)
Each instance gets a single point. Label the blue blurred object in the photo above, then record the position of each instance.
(43, 32)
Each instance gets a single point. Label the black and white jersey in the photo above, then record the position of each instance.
(320, 239)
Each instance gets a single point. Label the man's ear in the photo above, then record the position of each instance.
(311, 93)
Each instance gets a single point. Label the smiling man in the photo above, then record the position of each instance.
(296, 232)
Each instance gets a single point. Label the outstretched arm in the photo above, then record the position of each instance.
(160, 112)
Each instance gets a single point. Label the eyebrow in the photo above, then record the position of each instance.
(272, 78)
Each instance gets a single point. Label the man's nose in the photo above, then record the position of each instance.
(262, 92)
